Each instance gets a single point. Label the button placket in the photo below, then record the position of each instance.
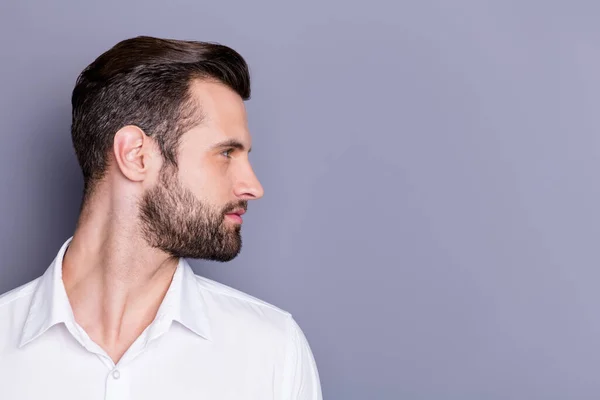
(117, 385)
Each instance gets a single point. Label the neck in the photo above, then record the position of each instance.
(115, 282)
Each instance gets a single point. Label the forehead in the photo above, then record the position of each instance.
(223, 115)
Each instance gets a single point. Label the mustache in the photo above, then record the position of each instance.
(243, 204)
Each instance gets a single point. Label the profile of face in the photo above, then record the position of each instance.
(194, 210)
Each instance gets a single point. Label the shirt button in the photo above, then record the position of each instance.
(116, 374)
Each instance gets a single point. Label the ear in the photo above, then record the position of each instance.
(134, 153)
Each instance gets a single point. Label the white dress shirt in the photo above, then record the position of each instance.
(207, 342)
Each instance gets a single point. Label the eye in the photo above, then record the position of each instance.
(227, 153)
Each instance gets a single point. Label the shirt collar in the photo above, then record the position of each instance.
(50, 305)
(184, 303)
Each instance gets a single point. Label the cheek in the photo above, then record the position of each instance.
(209, 182)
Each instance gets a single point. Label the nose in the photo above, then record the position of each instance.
(249, 187)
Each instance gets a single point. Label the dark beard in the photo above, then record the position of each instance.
(173, 220)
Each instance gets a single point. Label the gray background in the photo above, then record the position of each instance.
(430, 170)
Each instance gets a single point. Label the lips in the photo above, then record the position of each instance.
(236, 215)
(239, 212)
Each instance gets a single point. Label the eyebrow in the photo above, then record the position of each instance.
(236, 144)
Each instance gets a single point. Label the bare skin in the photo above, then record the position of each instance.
(114, 280)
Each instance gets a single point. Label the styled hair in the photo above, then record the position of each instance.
(145, 81)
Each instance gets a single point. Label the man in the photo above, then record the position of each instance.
(160, 131)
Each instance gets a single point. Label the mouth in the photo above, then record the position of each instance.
(236, 215)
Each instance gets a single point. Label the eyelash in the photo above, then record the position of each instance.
(227, 152)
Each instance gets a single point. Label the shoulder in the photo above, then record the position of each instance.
(252, 326)
(14, 308)
(227, 296)
(15, 296)
(231, 308)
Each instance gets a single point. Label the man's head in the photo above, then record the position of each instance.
(165, 122)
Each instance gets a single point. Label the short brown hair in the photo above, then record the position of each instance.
(144, 81)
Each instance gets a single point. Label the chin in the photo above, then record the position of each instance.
(223, 259)
(226, 253)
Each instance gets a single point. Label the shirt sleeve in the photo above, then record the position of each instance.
(301, 377)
